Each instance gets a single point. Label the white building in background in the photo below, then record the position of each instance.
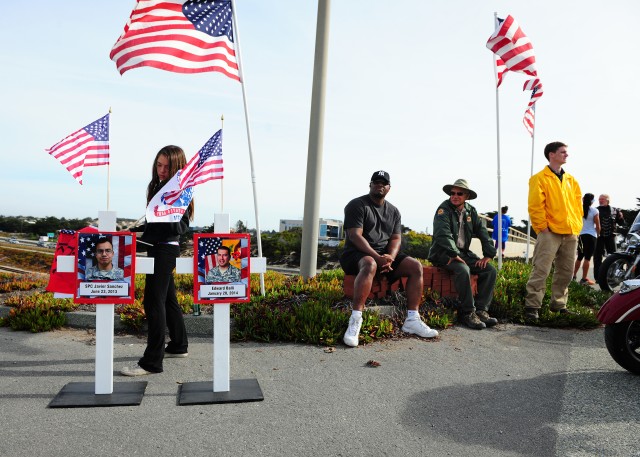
(330, 230)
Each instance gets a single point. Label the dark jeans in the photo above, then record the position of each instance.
(462, 280)
(162, 309)
(603, 243)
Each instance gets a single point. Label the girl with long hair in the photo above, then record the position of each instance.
(587, 240)
(160, 303)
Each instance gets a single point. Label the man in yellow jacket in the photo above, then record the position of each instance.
(555, 208)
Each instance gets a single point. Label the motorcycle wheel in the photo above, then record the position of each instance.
(623, 344)
(613, 270)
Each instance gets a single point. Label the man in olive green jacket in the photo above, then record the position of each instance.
(450, 250)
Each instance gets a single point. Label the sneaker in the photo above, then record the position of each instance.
(531, 314)
(472, 320)
(353, 332)
(175, 355)
(136, 370)
(417, 327)
(586, 282)
(484, 317)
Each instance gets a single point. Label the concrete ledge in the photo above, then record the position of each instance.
(196, 325)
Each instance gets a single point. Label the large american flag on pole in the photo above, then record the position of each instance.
(87, 147)
(202, 167)
(513, 47)
(181, 36)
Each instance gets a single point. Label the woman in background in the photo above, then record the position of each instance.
(587, 240)
(160, 303)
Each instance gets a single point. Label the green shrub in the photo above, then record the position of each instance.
(132, 315)
(416, 244)
(34, 317)
(10, 282)
(44, 299)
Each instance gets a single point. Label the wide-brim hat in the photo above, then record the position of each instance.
(462, 184)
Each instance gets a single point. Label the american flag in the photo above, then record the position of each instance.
(87, 147)
(207, 249)
(535, 86)
(202, 167)
(529, 119)
(180, 36)
(514, 48)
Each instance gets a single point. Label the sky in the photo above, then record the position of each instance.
(410, 89)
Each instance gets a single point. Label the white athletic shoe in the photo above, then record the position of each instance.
(353, 331)
(417, 327)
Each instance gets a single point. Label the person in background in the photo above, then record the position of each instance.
(161, 305)
(609, 217)
(506, 223)
(555, 209)
(587, 238)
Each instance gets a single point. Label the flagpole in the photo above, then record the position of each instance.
(499, 214)
(222, 180)
(109, 164)
(533, 137)
(236, 32)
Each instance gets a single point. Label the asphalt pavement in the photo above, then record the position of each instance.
(508, 391)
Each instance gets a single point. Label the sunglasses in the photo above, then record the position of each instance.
(459, 194)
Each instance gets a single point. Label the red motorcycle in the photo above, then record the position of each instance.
(621, 316)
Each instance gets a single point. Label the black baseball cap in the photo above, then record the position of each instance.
(381, 174)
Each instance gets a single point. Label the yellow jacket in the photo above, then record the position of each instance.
(555, 205)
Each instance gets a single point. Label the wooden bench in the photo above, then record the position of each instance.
(434, 278)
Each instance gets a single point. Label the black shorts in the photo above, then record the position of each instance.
(349, 263)
(586, 246)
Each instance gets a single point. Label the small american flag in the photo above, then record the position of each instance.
(514, 48)
(529, 119)
(202, 167)
(207, 249)
(181, 36)
(87, 147)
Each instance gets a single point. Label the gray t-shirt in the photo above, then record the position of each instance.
(378, 223)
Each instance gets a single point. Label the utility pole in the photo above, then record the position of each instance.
(309, 253)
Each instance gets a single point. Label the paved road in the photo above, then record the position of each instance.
(510, 391)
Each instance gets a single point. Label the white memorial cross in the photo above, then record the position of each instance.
(221, 313)
(144, 265)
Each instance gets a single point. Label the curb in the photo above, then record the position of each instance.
(196, 325)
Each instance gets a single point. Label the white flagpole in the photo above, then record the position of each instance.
(222, 180)
(109, 164)
(236, 33)
(533, 137)
(499, 234)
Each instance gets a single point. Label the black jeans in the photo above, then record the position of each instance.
(162, 309)
(603, 243)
